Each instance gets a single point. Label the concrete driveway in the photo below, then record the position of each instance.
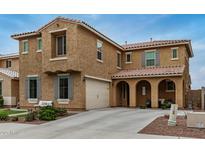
(104, 123)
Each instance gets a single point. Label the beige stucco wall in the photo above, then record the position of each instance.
(14, 63)
(81, 60)
(9, 90)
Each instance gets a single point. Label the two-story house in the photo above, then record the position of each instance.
(9, 83)
(77, 67)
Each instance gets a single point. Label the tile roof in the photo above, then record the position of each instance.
(10, 55)
(9, 73)
(157, 43)
(150, 72)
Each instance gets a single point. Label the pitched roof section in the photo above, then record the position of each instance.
(82, 23)
(127, 47)
(9, 73)
(157, 43)
(10, 55)
(150, 72)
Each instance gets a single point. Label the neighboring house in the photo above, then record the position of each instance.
(77, 67)
(9, 83)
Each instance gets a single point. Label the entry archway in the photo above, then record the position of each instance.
(167, 91)
(123, 94)
(143, 90)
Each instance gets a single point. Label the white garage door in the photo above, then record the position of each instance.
(97, 94)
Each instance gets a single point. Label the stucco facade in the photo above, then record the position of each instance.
(80, 61)
(9, 79)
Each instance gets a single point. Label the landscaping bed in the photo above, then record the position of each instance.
(160, 127)
(40, 116)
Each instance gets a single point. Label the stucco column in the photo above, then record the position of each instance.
(154, 94)
(114, 97)
(179, 93)
(132, 95)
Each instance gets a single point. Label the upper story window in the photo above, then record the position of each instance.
(8, 63)
(150, 58)
(174, 53)
(128, 57)
(61, 45)
(118, 59)
(39, 44)
(99, 51)
(25, 46)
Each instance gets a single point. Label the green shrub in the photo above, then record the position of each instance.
(143, 106)
(47, 113)
(3, 116)
(30, 116)
(1, 101)
(61, 111)
(166, 104)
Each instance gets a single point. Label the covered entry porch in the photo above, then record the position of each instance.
(135, 88)
(148, 91)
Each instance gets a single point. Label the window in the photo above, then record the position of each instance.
(174, 53)
(118, 59)
(150, 58)
(0, 88)
(8, 63)
(63, 87)
(170, 86)
(61, 45)
(32, 87)
(128, 57)
(39, 44)
(25, 46)
(99, 51)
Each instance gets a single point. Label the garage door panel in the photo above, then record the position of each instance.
(97, 94)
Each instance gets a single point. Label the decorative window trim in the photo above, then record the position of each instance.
(56, 40)
(177, 58)
(39, 50)
(118, 52)
(102, 54)
(25, 52)
(147, 51)
(128, 53)
(59, 77)
(58, 30)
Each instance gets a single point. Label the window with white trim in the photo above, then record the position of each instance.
(128, 57)
(150, 58)
(25, 46)
(39, 44)
(118, 59)
(32, 87)
(99, 50)
(61, 45)
(63, 87)
(174, 53)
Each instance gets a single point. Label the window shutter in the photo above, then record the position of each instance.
(55, 87)
(39, 88)
(26, 88)
(157, 58)
(70, 87)
(143, 59)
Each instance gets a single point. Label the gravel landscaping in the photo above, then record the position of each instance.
(159, 127)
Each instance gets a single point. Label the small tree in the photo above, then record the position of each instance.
(1, 101)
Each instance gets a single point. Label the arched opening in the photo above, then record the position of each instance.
(166, 92)
(143, 89)
(123, 94)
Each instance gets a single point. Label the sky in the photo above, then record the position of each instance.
(121, 28)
